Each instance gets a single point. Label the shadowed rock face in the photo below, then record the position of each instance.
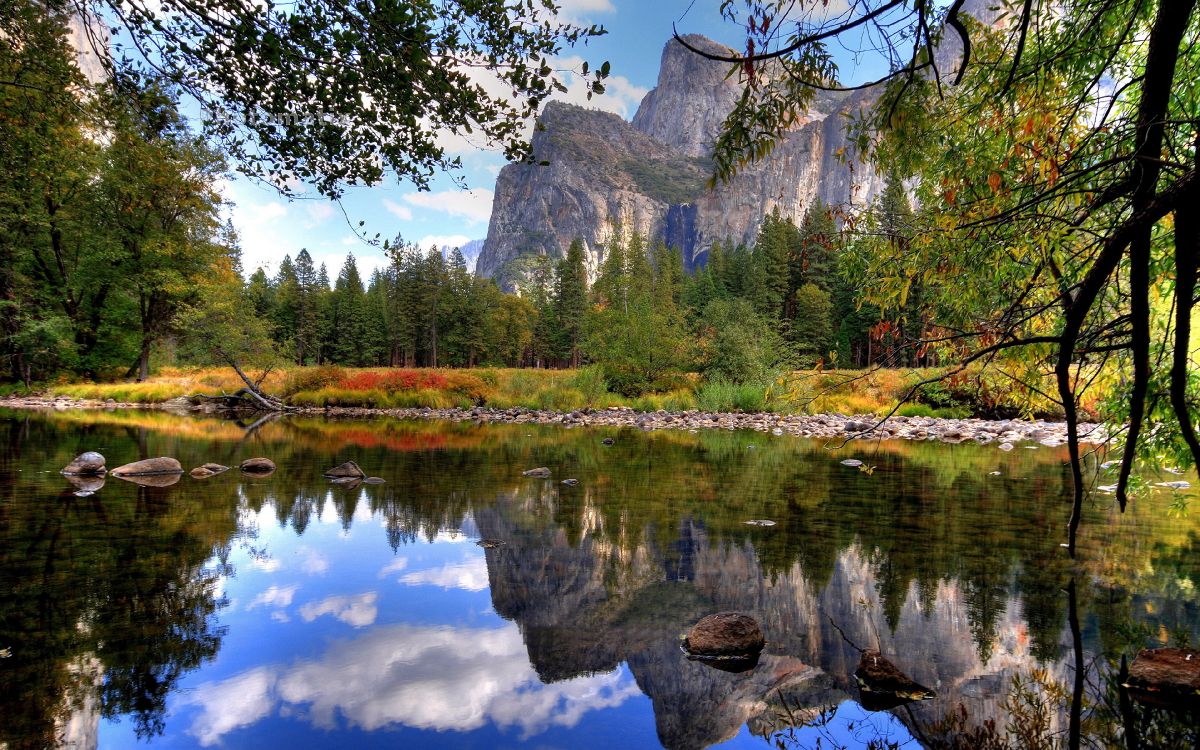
(649, 174)
(585, 607)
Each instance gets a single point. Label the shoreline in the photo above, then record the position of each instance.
(1005, 432)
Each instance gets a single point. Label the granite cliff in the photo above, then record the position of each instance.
(650, 174)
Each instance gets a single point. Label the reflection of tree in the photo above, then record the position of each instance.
(117, 579)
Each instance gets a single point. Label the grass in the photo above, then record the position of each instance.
(844, 392)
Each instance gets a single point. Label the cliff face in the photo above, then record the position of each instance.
(649, 175)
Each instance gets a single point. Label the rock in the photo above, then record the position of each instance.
(608, 441)
(856, 426)
(725, 634)
(1005, 447)
(348, 483)
(374, 480)
(1178, 485)
(851, 462)
(1170, 675)
(258, 465)
(759, 522)
(570, 482)
(86, 464)
(348, 470)
(207, 470)
(149, 467)
(875, 674)
(540, 472)
(490, 543)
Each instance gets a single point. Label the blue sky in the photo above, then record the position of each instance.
(271, 226)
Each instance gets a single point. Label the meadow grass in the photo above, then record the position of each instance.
(847, 392)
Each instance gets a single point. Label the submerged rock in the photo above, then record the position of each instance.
(348, 483)
(876, 674)
(374, 480)
(570, 482)
(851, 462)
(258, 465)
(207, 470)
(759, 522)
(540, 472)
(162, 465)
(490, 543)
(86, 464)
(725, 634)
(346, 470)
(1166, 675)
(608, 441)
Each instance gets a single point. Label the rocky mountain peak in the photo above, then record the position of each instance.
(693, 97)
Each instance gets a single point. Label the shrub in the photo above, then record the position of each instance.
(721, 395)
(311, 379)
(589, 381)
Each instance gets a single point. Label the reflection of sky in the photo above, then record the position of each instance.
(332, 636)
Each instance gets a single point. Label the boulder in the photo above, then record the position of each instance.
(207, 470)
(540, 472)
(348, 470)
(258, 465)
(875, 674)
(162, 465)
(725, 634)
(1166, 675)
(90, 463)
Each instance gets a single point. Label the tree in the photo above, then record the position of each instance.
(348, 306)
(1056, 164)
(570, 303)
(333, 92)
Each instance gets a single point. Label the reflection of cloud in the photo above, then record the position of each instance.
(266, 564)
(275, 596)
(470, 575)
(424, 677)
(358, 610)
(312, 562)
(395, 566)
(237, 702)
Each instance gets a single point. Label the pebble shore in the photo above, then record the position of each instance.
(828, 426)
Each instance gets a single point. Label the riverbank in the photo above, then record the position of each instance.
(825, 426)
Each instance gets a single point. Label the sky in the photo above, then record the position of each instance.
(271, 226)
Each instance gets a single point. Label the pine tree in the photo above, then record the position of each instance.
(570, 303)
(348, 318)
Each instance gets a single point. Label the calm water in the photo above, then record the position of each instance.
(285, 611)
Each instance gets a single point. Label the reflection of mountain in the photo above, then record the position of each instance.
(585, 607)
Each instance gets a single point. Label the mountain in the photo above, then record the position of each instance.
(650, 174)
(470, 251)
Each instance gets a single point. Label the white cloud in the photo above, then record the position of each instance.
(275, 596)
(470, 575)
(403, 213)
(358, 611)
(620, 95)
(318, 213)
(473, 205)
(424, 677)
(350, 240)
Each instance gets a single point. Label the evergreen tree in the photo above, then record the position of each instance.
(570, 304)
(348, 344)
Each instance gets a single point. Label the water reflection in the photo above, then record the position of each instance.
(240, 609)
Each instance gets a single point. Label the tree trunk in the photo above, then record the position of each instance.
(144, 360)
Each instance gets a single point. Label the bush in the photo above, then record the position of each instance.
(589, 381)
(311, 379)
(721, 395)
